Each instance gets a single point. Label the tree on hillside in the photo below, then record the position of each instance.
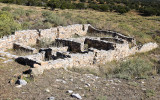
(54, 4)
(7, 24)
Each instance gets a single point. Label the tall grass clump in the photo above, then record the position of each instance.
(7, 8)
(134, 68)
(19, 13)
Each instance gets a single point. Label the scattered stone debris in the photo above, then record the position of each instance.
(51, 98)
(7, 61)
(87, 85)
(69, 91)
(76, 95)
(2, 58)
(21, 82)
(19, 86)
(142, 82)
(60, 80)
(47, 90)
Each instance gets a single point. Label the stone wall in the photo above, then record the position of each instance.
(115, 40)
(29, 37)
(147, 47)
(91, 29)
(64, 32)
(18, 46)
(101, 50)
(99, 44)
(72, 45)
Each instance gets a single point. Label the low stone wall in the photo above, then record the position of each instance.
(147, 47)
(72, 45)
(113, 40)
(65, 31)
(99, 44)
(18, 46)
(8, 55)
(101, 50)
(30, 37)
(91, 29)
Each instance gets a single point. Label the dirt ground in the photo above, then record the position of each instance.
(56, 82)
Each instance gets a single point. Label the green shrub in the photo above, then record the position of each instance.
(133, 68)
(18, 13)
(101, 98)
(80, 5)
(7, 24)
(26, 25)
(41, 25)
(67, 15)
(29, 12)
(149, 93)
(46, 13)
(53, 19)
(6, 9)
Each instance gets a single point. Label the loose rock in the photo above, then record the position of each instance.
(76, 95)
(69, 91)
(51, 98)
(21, 82)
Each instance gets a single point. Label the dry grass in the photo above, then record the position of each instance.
(131, 23)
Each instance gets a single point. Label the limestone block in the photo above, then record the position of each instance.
(148, 46)
(37, 71)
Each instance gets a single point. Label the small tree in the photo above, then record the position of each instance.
(7, 24)
(54, 4)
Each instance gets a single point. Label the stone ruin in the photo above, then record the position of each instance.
(82, 51)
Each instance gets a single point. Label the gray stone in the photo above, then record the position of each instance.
(76, 95)
(10, 60)
(51, 98)
(37, 71)
(69, 91)
(22, 82)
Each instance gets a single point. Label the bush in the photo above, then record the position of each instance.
(67, 5)
(133, 68)
(29, 12)
(18, 13)
(53, 19)
(80, 5)
(26, 25)
(6, 9)
(104, 7)
(83, 0)
(122, 9)
(7, 24)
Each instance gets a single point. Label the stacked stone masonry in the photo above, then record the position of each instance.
(84, 51)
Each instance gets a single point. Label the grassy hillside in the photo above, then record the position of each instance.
(144, 29)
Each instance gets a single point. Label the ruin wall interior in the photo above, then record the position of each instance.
(84, 51)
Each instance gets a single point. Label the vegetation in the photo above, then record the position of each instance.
(144, 29)
(7, 24)
(130, 69)
(146, 7)
(135, 68)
